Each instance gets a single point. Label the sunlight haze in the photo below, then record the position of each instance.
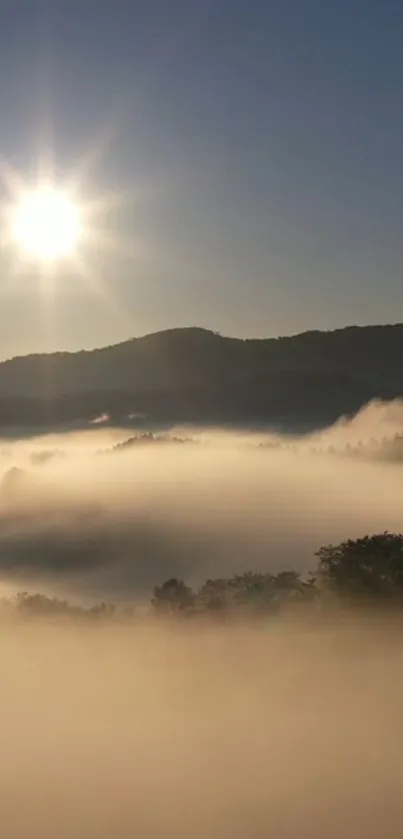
(255, 154)
(201, 419)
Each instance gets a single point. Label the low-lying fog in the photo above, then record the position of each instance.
(288, 732)
(84, 517)
(114, 731)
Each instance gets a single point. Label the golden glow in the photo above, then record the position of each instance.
(53, 228)
(46, 224)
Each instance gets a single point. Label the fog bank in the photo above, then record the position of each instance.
(292, 733)
(82, 516)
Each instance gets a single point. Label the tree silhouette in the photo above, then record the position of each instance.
(213, 595)
(370, 567)
(254, 592)
(172, 597)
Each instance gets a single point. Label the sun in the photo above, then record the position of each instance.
(46, 224)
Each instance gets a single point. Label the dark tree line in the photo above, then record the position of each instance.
(248, 592)
(367, 570)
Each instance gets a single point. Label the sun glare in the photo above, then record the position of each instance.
(52, 229)
(46, 224)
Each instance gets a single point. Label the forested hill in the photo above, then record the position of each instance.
(194, 375)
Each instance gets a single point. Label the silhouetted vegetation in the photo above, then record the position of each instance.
(148, 438)
(387, 448)
(368, 569)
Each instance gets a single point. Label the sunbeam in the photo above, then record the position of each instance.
(83, 270)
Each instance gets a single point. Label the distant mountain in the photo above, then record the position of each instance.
(193, 375)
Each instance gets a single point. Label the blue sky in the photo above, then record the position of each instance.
(259, 144)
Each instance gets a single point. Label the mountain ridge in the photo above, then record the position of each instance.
(192, 374)
(210, 332)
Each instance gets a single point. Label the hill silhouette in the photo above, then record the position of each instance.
(194, 375)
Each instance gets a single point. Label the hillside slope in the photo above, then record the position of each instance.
(198, 376)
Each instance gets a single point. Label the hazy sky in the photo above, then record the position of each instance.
(260, 144)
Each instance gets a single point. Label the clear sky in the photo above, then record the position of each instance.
(259, 145)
